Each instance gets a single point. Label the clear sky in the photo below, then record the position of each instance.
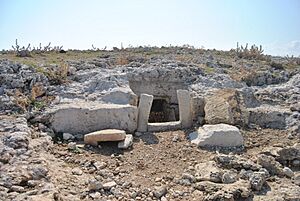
(77, 24)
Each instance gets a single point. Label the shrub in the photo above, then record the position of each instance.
(254, 52)
(277, 66)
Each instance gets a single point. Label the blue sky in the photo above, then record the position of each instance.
(219, 24)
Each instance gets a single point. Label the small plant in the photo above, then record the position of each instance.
(58, 74)
(293, 60)
(21, 52)
(21, 100)
(254, 52)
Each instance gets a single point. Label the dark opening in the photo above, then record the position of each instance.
(162, 111)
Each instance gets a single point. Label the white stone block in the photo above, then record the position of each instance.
(185, 112)
(144, 109)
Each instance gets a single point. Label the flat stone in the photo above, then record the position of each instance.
(219, 135)
(160, 191)
(109, 185)
(126, 143)
(67, 136)
(288, 172)
(164, 126)
(80, 117)
(104, 136)
(77, 171)
(94, 185)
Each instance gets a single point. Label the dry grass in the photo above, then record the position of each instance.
(37, 91)
(122, 60)
(58, 74)
(47, 58)
(184, 58)
(21, 100)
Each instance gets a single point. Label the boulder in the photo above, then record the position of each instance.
(219, 135)
(226, 106)
(104, 136)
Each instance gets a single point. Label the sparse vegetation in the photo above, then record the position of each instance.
(57, 74)
(254, 52)
(28, 51)
(21, 52)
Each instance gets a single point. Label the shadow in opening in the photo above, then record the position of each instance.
(162, 111)
(107, 149)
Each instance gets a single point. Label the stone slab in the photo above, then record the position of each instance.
(85, 117)
(104, 136)
(164, 126)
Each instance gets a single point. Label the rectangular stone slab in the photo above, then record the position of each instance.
(85, 117)
(164, 126)
(106, 135)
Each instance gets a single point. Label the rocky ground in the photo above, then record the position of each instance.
(37, 163)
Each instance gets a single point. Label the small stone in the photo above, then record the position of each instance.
(79, 136)
(296, 163)
(17, 189)
(175, 138)
(229, 177)
(109, 185)
(288, 172)
(160, 191)
(157, 179)
(163, 199)
(94, 185)
(100, 165)
(32, 183)
(126, 143)
(138, 134)
(257, 180)
(190, 177)
(95, 195)
(68, 136)
(245, 174)
(296, 179)
(71, 145)
(77, 171)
